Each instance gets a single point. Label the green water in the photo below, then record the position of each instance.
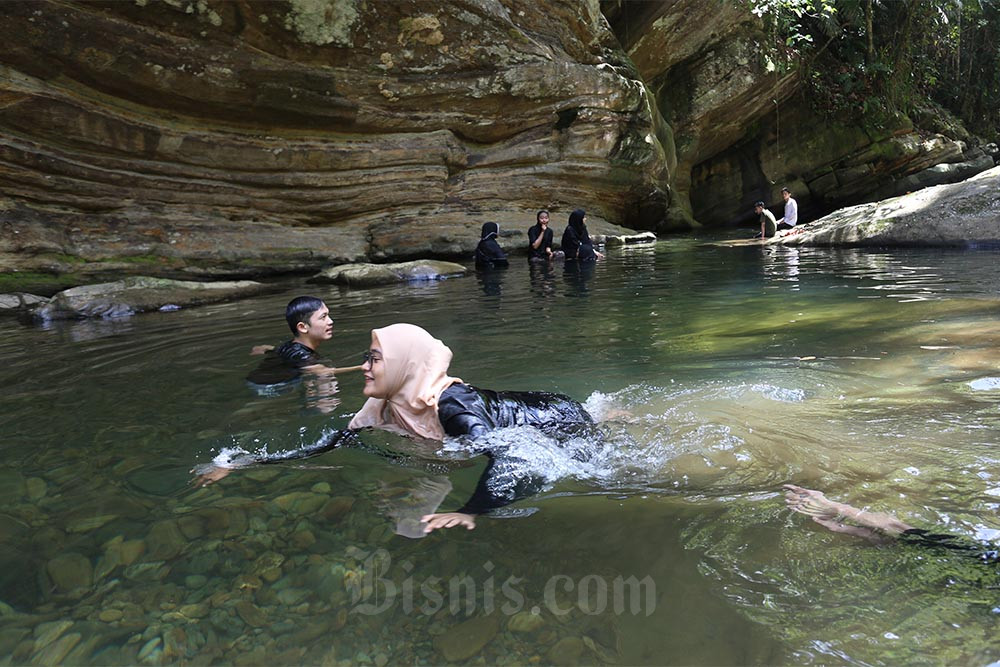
(861, 373)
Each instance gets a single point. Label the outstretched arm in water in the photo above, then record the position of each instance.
(833, 515)
(212, 472)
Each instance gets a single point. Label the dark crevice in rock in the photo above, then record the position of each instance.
(565, 118)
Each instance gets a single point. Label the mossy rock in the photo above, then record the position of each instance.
(44, 284)
(371, 275)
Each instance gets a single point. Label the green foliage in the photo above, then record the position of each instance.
(862, 55)
(43, 284)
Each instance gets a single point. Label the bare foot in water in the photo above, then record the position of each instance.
(831, 515)
(811, 503)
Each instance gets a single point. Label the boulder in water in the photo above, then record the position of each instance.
(16, 303)
(140, 294)
(370, 275)
(956, 214)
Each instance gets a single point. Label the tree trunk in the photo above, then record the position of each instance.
(870, 33)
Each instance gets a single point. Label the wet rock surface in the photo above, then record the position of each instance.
(17, 303)
(959, 214)
(370, 275)
(140, 294)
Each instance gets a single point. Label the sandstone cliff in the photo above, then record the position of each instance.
(252, 137)
(247, 137)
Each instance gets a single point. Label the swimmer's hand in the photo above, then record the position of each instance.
(261, 349)
(209, 474)
(448, 520)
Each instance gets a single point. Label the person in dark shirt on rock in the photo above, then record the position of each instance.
(410, 392)
(768, 225)
(489, 254)
(540, 239)
(311, 325)
(576, 241)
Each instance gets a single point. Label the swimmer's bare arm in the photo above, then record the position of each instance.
(261, 349)
(320, 369)
(210, 473)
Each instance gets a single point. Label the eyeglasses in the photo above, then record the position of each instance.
(370, 358)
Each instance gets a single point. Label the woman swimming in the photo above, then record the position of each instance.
(410, 392)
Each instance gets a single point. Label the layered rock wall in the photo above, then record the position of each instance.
(247, 137)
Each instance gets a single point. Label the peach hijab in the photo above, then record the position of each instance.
(416, 372)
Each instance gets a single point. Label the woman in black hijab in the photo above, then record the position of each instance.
(489, 255)
(576, 241)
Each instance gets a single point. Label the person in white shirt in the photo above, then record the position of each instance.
(791, 216)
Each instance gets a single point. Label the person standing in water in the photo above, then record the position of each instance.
(576, 241)
(540, 238)
(410, 393)
(489, 254)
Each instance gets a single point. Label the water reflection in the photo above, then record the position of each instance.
(782, 263)
(491, 280)
(577, 275)
(542, 278)
(868, 374)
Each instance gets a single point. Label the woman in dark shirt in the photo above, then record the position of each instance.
(489, 254)
(409, 392)
(576, 241)
(540, 238)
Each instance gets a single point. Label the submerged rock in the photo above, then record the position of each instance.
(369, 275)
(567, 651)
(525, 622)
(70, 571)
(139, 294)
(468, 638)
(959, 214)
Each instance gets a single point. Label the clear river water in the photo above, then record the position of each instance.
(723, 372)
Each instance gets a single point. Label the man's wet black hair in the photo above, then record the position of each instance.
(786, 190)
(300, 309)
(758, 203)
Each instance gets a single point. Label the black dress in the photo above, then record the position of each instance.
(577, 245)
(465, 410)
(489, 254)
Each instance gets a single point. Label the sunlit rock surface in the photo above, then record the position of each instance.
(959, 214)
